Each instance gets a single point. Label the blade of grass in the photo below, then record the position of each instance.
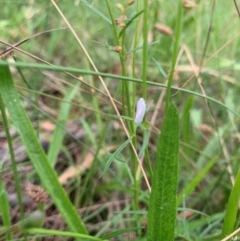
(159, 68)
(114, 155)
(196, 180)
(175, 52)
(117, 77)
(59, 131)
(36, 152)
(5, 209)
(232, 208)
(162, 205)
(49, 232)
(186, 126)
(140, 47)
(119, 232)
(85, 3)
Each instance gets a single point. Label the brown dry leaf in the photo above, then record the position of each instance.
(74, 171)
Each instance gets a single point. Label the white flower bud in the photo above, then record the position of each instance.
(140, 112)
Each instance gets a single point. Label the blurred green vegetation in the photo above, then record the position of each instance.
(208, 130)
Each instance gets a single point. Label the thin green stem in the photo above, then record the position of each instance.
(134, 54)
(126, 95)
(135, 165)
(113, 21)
(208, 34)
(175, 53)
(125, 88)
(145, 49)
(144, 71)
(147, 157)
(124, 73)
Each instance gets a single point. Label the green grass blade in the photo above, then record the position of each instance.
(36, 153)
(114, 155)
(162, 204)
(49, 232)
(186, 122)
(232, 208)
(5, 209)
(117, 77)
(119, 232)
(159, 68)
(96, 10)
(140, 47)
(196, 180)
(59, 131)
(177, 36)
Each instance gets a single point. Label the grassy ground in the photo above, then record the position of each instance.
(87, 143)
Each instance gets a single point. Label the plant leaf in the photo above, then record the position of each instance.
(36, 152)
(162, 205)
(232, 208)
(114, 155)
(60, 127)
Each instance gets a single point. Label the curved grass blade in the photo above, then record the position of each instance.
(232, 208)
(36, 152)
(117, 77)
(196, 180)
(140, 47)
(5, 210)
(159, 68)
(50, 232)
(59, 131)
(114, 155)
(119, 232)
(162, 205)
(85, 3)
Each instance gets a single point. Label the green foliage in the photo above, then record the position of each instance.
(232, 208)
(5, 209)
(162, 205)
(196, 67)
(35, 151)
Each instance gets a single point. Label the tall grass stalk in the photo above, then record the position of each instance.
(178, 30)
(145, 50)
(120, 40)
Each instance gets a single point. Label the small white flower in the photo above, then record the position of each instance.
(140, 112)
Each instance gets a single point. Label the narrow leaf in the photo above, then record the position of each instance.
(36, 152)
(196, 180)
(5, 209)
(114, 155)
(162, 205)
(186, 124)
(59, 131)
(232, 208)
(85, 3)
(159, 68)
